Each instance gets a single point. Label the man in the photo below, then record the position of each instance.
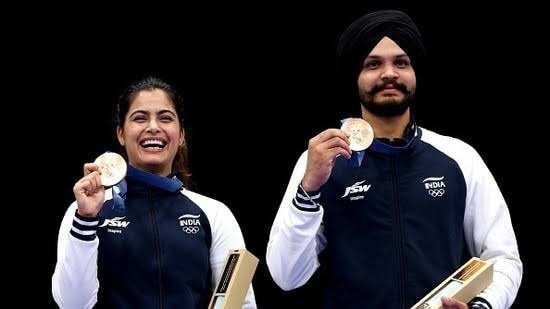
(388, 224)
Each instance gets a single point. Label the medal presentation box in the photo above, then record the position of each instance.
(464, 284)
(235, 280)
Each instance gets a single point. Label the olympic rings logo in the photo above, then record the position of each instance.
(436, 192)
(190, 229)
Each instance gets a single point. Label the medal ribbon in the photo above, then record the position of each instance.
(171, 184)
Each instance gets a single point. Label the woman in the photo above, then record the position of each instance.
(147, 242)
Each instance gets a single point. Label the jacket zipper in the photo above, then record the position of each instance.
(399, 233)
(157, 248)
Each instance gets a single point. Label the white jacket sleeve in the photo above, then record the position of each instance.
(74, 282)
(226, 236)
(296, 237)
(489, 233)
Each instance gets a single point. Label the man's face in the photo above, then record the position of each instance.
(387, 81)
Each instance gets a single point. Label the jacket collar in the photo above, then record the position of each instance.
(385, 146)
(170, 183)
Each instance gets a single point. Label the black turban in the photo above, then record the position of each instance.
(361, 36)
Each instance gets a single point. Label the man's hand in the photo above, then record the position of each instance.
(451, 303)
(322, 152)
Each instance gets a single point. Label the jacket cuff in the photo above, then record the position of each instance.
(479, 303)
(84, 228)
(306, 201)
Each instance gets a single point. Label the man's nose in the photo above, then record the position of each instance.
(389, 73)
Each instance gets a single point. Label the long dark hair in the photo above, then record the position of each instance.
(180, 164)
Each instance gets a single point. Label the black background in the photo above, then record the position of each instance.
(258, 83)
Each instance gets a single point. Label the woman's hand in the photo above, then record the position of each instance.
(88, 191)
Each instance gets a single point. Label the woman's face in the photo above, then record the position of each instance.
(152, 132)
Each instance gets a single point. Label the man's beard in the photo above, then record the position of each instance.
(390, 107)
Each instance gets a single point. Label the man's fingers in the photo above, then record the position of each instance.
(333, 153)
(337, 142)
(328, 134)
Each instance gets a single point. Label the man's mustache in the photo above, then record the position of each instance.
(380, 87)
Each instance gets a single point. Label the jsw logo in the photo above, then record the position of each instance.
(116, 222)
(356, 188)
